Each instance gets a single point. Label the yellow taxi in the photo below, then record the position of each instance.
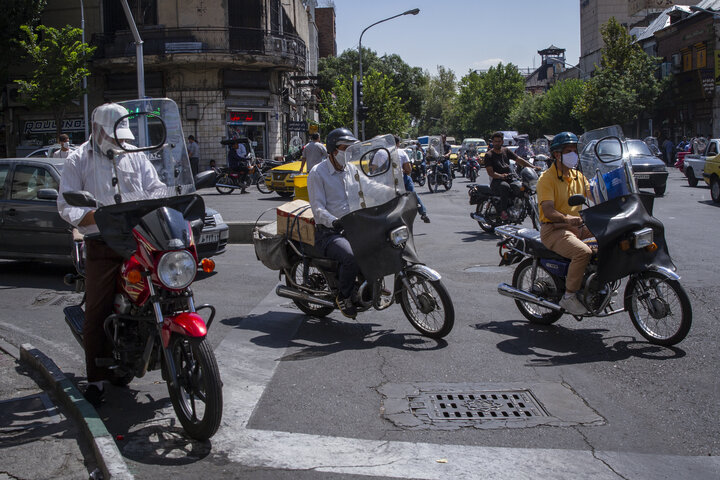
(281, 179)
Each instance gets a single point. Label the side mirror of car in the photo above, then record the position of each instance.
(47, 194)
(205, 179)
(80, 199)
(576, 200)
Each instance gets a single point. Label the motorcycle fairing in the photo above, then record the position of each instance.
(367, 231)
(188, 324)
(116, 222)
(166, 229)
(611, 222)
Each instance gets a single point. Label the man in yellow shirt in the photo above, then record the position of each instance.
(562, 229)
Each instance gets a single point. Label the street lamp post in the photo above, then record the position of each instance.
(414, 11)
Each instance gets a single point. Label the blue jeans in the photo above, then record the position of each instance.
(410, 187)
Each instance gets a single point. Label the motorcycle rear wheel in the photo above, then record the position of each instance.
(488, 226)
(316, 281)
(197, 395)
(224, 178)
(546, 286)
(448, 183)
(659, 308)
(435, 316)
(421, 180)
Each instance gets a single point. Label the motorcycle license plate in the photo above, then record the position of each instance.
(209, 237)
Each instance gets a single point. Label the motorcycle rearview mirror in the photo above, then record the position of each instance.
(576, 200)
(205, 179)
(148, 129)
(375, 162)
(80, 199)
(609, 149)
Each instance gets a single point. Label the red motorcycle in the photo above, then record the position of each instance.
(155, 324)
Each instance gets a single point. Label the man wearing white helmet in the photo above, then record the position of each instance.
(100, 166)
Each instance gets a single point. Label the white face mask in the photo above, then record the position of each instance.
(340, 158)
(570, 159)
(66, 145)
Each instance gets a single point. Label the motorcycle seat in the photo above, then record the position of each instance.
(318, 259)
(534, 246)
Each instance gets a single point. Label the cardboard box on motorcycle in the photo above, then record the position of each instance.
(297, 218)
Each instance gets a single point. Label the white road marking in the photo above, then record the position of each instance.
(247, 368)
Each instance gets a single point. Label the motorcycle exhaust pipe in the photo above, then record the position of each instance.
(477, 217)
(512, 292)
(225, 185)
(287, 292)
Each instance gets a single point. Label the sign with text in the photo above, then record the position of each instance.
(48, 126)
(295, 126)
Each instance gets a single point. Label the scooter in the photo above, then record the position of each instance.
(155, 324)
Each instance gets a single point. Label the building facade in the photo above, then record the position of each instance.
(234, 67)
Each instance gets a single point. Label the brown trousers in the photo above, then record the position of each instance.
(101, 271)
(568, 242)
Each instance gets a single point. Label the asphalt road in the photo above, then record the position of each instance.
(308, 398)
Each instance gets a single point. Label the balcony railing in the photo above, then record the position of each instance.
(233, 40)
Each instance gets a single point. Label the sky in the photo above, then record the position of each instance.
(462, 35)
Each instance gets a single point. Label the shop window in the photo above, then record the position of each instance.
(687, 61)
(28, 180)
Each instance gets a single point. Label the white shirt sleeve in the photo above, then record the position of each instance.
(72, 180)
(318, 200)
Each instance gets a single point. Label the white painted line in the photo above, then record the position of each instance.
(247, 368)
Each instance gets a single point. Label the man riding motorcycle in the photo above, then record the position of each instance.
(237, 161)
(328, 185)
(127, 174)
(562, 229)
(497, 164)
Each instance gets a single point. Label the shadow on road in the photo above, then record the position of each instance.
(474, 235)
(551, 345)
(319, 337)
(18, 274)
(710, 203)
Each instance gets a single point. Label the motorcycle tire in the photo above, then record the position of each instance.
(245, 181)
(197, 394)
(421, 181)
(473, 175)
(432, 183)
(659, 308)
(261, 185)
(227, 180)
(316, 281)
(488, 225)
(546, 286)
(435, 316)
(448, 183)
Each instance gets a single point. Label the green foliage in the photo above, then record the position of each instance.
(624, 85)
(60, 61)
(486, 100)
(14, 14)
(438, 104)
(558, 104)
(408, 80)
(387, 108)
(527, 116)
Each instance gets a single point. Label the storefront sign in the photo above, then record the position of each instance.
(238, 118)
(48, 126)
(708, 81)
(300, 126)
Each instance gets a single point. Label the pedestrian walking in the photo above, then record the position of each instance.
(313, 153)
(406, 165)
(194, 154)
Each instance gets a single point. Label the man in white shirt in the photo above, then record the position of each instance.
(313, 153)
(329, 184)
(194, 153)
(64, 150)
(102, 168)
(406, 165)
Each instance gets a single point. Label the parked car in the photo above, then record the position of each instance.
(694, 163)
(648, 169)
(711, 175)
(31, 227)
(48, 151)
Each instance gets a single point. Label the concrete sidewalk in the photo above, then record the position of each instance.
(47, 429)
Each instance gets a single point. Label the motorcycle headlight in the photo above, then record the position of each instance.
(177, 269)
(642, 238)
(399, 235)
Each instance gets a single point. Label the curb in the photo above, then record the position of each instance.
(106, 452)
(241, 232)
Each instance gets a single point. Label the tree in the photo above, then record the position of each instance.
(387, 108)
(60, 61)
(527, 116)
(486, 99)
(624, 85)
(14, 14)
(438, 103)
(557, 107)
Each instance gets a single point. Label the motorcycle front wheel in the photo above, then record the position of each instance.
(659, 308)
(434, 314)
(545, 286)
(421, 180)
(197, 394)
(473, 175)
(227, 180)
(262, 186)
(432, 182)
(480, 209)
(316, 281)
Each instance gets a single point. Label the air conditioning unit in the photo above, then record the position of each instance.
(13, 95)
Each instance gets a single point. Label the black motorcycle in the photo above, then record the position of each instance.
(379, 229)
(523, 202)
(629, 243)
(418, 174)
(437, 175)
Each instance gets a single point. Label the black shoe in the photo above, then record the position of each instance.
(243, 191)
(94, 395)
(425, 218)
(346, 306)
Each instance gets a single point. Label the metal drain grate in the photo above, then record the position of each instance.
(490, 405)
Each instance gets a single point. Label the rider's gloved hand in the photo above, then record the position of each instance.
(336, 225)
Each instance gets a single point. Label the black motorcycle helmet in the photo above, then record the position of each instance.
(339, 136)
